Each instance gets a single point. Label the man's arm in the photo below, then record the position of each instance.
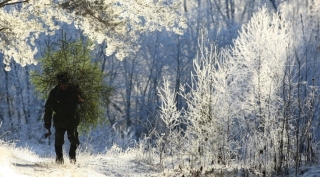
(48, 111)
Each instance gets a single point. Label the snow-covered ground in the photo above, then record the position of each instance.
(24, 162)
(18, 162)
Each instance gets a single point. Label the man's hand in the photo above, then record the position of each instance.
(47, 134)
(81, 100)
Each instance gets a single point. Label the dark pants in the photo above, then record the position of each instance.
(72, 137)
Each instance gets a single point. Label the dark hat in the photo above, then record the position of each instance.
(62, 77)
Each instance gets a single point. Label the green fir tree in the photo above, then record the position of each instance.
(74, 57)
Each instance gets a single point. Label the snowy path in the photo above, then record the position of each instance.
(97, 166)
(15, 162)
(24, 163)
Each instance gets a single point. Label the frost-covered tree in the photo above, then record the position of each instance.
(169, 112)
(15, 39)
(209, 110)
(118, 23)
(303, 86)
(171, 140)
(241, 102)
(261, 52)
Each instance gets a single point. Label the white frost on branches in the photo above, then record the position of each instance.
(15, 40)
(169, 112)
(261, 51)
(118, 23)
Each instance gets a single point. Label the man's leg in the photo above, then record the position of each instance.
(59, 141)
(74, 141)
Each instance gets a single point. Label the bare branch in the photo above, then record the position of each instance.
(7, 2)
(2, 4)
(83, 8)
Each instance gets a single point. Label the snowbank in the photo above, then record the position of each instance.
(6, 168)
(17, 162)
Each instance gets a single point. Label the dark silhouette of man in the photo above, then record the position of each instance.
(61, 106)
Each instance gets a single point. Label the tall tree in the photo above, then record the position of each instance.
(260, 51)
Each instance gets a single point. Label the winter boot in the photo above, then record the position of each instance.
(59, 160)
(72, 153)
(59, 154)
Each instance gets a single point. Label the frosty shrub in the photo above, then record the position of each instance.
(208, 113)
(170, 142)
(73, 56)
(246, 105)
(209, 102)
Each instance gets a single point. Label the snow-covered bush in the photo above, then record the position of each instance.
(244, 103)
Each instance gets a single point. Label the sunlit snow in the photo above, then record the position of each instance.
(17, 162)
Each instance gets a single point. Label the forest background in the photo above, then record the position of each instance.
(206, 82)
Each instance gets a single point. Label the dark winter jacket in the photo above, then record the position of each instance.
(62, 106)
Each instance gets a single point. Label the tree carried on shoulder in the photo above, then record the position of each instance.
(76, 93)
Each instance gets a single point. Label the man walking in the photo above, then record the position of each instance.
(61, 105)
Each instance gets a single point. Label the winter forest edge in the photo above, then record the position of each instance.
(239, 87)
